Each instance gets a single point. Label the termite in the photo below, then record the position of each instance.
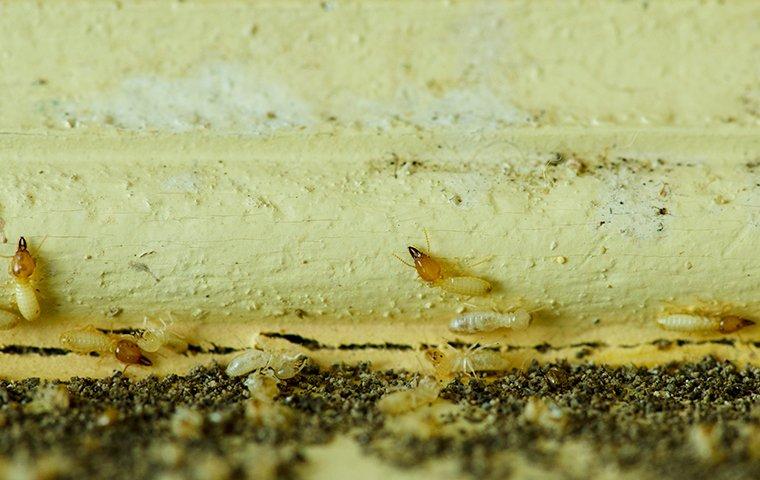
(282, 365)
(22, 268)
(682, 322)
(477, 322)
(156, 336)
(248, 361)
(432, 272)
(424, 392)
(90, 339)
(286, 366)
(448, 361)
(262, 386)
(8, 320)
(86, 340)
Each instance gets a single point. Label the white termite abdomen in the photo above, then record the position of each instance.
(468, 286)
(247, 362)
(87, 340)
(26, 300)
(681, 322)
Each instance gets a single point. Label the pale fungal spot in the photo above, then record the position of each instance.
(553, 245)
(478, 322)
(561, 260)
(424, 392)
(684, 322)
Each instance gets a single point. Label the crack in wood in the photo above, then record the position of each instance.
(314, 345)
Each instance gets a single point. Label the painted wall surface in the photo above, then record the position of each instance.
(253, 167)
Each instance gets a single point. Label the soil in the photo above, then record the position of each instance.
(576, 421)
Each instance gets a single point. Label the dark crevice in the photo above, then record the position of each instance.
(27, 350)
(377, 346)
(588, 344)
(312, 344)
(215, 349)
(136, 332)
(307, 343)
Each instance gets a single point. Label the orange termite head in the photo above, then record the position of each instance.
(128, 352)
(733, 323)
(427, 268)
(22, 264)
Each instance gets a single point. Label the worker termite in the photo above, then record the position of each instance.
(8, 320)
(447, 361)
(432, 272)
(282, 365)
(425, 391)
(22, 268)
(157, 335)
(86, 340)
(262, 386)
(683, 322)
(478, 322)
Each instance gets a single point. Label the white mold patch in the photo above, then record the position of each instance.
(631, 208)
(218, 97)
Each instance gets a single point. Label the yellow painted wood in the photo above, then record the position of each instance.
(254, 166)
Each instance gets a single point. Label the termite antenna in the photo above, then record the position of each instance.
(402, 260)
(427, 238)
